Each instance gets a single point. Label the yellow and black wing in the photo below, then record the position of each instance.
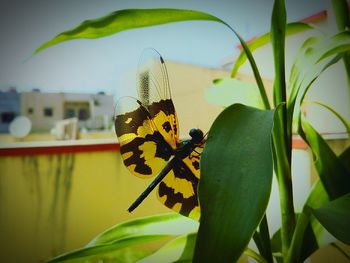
(143, 148)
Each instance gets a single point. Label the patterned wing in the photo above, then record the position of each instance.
(142, 146)
(154, 93)
(178, 190)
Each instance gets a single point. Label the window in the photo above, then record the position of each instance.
(48, 112)
(83, 114)
(69, 113)
(30, 110)
(80, 110)
(7, 117)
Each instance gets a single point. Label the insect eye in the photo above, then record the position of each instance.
(196, 134)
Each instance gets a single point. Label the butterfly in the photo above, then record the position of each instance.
(148, 132)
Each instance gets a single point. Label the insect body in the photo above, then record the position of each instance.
(148, 132)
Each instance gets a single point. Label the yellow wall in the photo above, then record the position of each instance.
(188, 84)
(55, 203)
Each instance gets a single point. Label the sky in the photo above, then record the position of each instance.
(104, 64)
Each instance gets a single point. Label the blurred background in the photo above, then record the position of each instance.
(62, 179)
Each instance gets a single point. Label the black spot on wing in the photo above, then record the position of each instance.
(166, 126)
(195, 164)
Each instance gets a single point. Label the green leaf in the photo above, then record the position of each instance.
(181, 250)
(255, 70)
(333, 174)
(318, 195)
(313, 58)
(126, 19)
(317, 198)
(178, 250)
(278, 29)
(126, 241)
(341, 11)
(335, 217)
(341, 14)
(276, 246)
(306, 241)
(236, 175)
(226, 92)
(341, 118)
(291, 28)
(345, 159)
(308, 230)
(125, 250)
(163, 224)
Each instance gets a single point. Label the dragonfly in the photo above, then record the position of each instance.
(148, 132)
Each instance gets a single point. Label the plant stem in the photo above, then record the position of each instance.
(283, 173)
(282, 139)
(293, 254)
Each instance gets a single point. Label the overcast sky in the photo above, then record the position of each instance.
(102, 64)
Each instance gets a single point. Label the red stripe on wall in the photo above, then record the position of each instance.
(320, 16)
(298, 143)
(63, 149)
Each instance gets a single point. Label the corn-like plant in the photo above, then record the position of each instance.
(245, 144)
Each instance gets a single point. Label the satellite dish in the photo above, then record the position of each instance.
(20, 127)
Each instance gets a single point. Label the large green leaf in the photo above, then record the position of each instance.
(125, 250)
(163, 224)
(335, 217)
(236, 175)
(334, 176)
(126, 241)
(126, 19)
(181, 250)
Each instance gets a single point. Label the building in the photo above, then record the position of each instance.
(94, 111)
